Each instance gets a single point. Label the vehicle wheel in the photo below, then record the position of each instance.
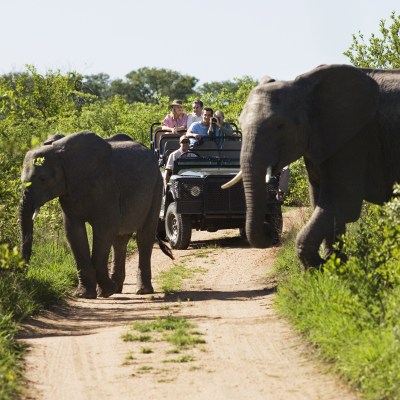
(242, 233)
(274, 226)
(178, 228)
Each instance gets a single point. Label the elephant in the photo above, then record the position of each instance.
(345, 122)
(113, 184)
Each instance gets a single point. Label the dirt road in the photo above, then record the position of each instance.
(250, 353)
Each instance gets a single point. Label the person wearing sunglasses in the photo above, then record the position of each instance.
(184, 148)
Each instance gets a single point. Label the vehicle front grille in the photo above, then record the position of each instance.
(217, 200)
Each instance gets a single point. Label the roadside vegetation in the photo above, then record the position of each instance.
(350, 310)
(362, 294)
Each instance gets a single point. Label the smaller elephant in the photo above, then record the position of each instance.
(113, 184)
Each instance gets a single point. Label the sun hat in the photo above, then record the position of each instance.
(176, 103)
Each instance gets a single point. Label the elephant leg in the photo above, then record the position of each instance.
(334, 237)
(119, 258)
(78, 241)
(145, 243)
(102, 241)
(145, 238)
(309, 239)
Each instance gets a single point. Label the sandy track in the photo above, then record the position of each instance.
(250, 353)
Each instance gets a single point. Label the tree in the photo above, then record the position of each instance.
(149, 84)
(98, 85)
(381, 52)
(215, 87)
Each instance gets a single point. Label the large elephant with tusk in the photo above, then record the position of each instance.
(115, 185)
(345, 122)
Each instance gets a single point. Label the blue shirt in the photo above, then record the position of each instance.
(199, 128)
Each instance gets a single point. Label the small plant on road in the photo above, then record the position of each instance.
(177, 331)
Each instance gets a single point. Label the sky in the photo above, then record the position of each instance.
(210, 39)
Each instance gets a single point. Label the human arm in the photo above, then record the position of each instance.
(174, 126)
(191, 133)
(226, 129)
(167, 176)
(168, 169)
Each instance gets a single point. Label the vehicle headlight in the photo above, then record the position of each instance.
(195, 191)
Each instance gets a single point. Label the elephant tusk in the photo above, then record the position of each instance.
(268, 176)
(237, 178)
(35, 214)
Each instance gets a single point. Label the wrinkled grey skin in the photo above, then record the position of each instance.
(345, 122)
(114, 185)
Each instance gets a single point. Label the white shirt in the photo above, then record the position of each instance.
(193, 118)
(174, 156)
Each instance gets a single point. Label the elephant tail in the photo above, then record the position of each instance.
(165, 248)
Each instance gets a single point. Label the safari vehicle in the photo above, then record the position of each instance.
(194, 198)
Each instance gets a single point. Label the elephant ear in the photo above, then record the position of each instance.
(343, 100)
(85, 157)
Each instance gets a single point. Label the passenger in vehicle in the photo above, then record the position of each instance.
(197, 130)
(223, 128)
(196, 115)
(184, 148)
(176, 120)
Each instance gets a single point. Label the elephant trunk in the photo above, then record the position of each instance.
(254, 166)
(27, 211)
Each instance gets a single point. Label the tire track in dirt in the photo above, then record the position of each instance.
(250, 353)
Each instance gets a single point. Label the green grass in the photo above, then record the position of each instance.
(172, 281)
(363, 350)
(177, 331)
(24, 292)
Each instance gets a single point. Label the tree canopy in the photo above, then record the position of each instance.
(379, 52)
(149, 84)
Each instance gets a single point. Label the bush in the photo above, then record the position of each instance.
(373, 265)
(298, 195)
(351, 310)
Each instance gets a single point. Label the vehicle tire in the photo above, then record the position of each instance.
(178, 228)
(274, 226)
(242, 233)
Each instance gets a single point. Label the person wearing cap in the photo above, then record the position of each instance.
(184, 148)
(196, 115)
(176, 121)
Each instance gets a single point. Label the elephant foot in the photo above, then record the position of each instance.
(106, 289)
(310, 259)
(145, 290)
(85, 293)
(119, 289)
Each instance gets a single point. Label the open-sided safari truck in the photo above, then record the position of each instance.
(194, 198)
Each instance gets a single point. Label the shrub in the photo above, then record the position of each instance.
(373, 264)
(298, 195)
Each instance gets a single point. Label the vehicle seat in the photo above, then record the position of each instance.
(168, 144)
(157, 137)
(207, 149)
(231, 149)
